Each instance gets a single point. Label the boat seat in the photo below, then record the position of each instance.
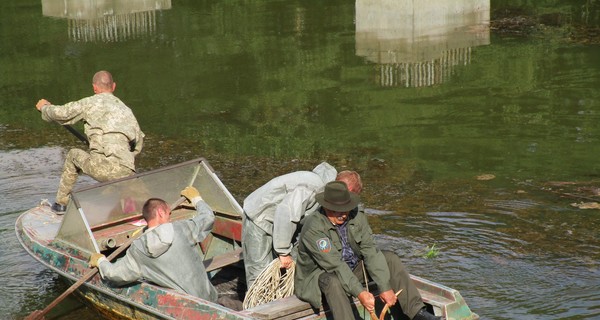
(293, 308)
(222, 260)
(282, 309)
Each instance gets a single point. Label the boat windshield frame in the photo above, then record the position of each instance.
(120, 202)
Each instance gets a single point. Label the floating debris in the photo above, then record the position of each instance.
(377, 212)
(511, 205)
(431, 252)
(485, 177)
(586, 205)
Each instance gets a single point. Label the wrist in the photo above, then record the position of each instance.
(195, 200)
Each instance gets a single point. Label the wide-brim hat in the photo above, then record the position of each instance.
(336, 197)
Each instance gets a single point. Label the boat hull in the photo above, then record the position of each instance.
(35, 230)
(105, 216)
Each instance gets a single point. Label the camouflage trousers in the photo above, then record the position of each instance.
(94, 165)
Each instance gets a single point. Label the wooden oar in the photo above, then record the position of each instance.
(385, 308)
(39, 314)
(373, 315)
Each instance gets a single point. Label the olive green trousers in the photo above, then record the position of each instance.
(339, 302)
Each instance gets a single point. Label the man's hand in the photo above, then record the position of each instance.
(190, 193)
(94, 259)
(367, 300)
(389, 297)
(286, 261)
(41, 103)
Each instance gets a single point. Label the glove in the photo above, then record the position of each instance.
(190, 193)
(95, 259)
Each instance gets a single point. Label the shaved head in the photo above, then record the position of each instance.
(103, 80)
(151, 207)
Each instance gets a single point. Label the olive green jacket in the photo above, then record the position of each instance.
(320, 250)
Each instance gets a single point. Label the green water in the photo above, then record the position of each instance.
(420, 102)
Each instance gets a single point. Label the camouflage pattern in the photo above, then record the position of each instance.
(94, 165)
(112, 130)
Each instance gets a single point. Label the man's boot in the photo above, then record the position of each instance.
(58, 208)
(423, 314)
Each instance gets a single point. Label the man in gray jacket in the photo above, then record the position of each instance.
(167, 254)
(272, 214)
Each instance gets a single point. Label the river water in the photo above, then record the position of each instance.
(478, 137)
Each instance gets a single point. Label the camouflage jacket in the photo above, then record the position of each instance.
(109, 124)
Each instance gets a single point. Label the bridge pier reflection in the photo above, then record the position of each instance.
(416, 44)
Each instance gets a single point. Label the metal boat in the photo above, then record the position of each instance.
(103, 217)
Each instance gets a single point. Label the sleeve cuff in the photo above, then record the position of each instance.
(195, 200)
(100, 261)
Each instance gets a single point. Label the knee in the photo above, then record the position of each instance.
(391, 257)
(75, 153)
(76, 158)
(329, 282)
(394, 262)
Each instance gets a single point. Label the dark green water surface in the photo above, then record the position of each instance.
(421, 99)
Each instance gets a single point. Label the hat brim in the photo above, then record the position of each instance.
(353, 203)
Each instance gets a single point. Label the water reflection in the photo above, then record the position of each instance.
(106, 20)
(417, 44)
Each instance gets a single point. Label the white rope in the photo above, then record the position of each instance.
(271, 284)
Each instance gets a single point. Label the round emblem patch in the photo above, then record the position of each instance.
(324, 245)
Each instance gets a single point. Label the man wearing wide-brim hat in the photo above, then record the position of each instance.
(335, 247)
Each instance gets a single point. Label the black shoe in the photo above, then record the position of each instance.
(423, 314)
(58, 208)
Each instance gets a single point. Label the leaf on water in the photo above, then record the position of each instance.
(586, 205)
(485, 177)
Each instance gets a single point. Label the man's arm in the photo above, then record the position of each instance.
(288, 214)
(124, 271)
(375, 262)
(327, 257)
(69, 113)
(201, 224)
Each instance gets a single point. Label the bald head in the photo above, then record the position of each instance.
(103, 82)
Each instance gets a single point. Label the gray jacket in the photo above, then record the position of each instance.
(279, 205)
(169, 256)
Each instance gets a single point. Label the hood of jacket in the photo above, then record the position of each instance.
(158, 240)
(326, 172)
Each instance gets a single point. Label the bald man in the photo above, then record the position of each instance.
(114, 136)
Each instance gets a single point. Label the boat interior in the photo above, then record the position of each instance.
(103, 217)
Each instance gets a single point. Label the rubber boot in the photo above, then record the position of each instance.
(423, 314)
